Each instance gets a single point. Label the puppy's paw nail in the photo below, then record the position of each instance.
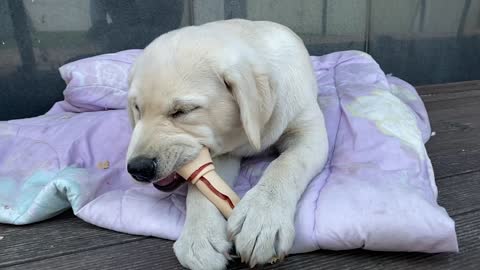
(273, 260)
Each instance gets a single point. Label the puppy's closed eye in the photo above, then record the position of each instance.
(185, 105)
(182, 111)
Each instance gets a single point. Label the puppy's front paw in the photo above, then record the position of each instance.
(262, 228)
(204, 247)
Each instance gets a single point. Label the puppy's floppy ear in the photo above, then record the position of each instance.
(130, 103)
(254, 96)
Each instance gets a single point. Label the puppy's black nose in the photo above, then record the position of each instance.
(142, 169)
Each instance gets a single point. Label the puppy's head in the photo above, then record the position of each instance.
(183, 99)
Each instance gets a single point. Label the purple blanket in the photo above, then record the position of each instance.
(377, 191)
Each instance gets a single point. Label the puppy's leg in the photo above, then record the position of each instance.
(203, 243)
(262, 224)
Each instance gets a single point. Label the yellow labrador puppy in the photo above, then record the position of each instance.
(237, 87)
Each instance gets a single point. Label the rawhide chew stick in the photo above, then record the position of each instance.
(201, 173)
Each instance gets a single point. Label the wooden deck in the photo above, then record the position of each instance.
(66, 242)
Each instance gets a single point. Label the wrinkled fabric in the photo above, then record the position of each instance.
(376, 192)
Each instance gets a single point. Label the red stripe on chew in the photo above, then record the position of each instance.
(209, 185)
(199, 170)
(218, 193)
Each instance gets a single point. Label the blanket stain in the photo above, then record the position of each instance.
(391, 116)
(103, 165)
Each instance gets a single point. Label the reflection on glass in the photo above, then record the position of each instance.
(427, 41)
(38, 36)
(421, 41)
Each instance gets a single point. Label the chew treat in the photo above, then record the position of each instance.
(201, 173)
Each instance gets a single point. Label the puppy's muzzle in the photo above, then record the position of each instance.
(144, 170)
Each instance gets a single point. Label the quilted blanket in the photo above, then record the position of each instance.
(377, 191)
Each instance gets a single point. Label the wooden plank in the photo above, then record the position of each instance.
(449, 96)
(447, 105)
(454, 151)
(61, 235)
(149, 253)
(155, 253)
(452, 165)
(446, 88)
(459, 194)
(455, 148)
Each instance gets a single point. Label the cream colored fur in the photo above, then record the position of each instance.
(237, 87)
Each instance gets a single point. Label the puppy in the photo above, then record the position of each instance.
(237, 87)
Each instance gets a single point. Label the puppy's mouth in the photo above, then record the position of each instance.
(169, 183)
